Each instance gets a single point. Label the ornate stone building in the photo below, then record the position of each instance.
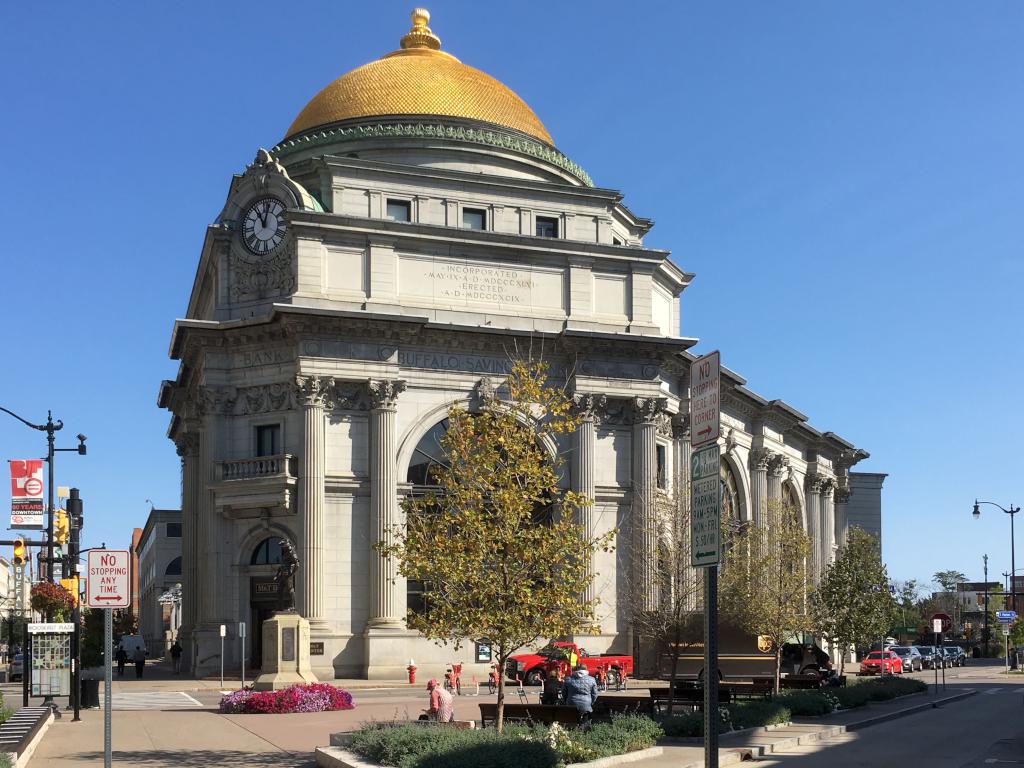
(415, 229)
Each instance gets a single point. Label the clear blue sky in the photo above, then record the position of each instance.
(846, 179)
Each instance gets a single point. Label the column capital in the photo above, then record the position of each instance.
(646, 410)
(760, 458)
(588, 404)
(778, 464)
(681, 426)
(814, 482)
(842, 495)
(312, 391)
(187, 444)
(828, 485)
(384, 393)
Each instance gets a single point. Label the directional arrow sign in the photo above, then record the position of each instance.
(705, 405)
(108, 582)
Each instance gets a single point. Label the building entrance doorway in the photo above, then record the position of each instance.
(262, 603)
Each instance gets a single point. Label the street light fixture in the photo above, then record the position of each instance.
(50, 428)
(976, 512)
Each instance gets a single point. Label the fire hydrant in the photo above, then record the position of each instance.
(411, 669)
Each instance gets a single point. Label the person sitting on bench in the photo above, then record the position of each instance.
(580, 690)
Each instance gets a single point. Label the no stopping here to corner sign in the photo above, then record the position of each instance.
(108, 584)
(705, 403)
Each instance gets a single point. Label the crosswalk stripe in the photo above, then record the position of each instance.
(155, 700)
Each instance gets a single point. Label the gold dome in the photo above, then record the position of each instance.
(419, 79)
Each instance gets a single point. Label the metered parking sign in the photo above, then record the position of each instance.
(705, 507)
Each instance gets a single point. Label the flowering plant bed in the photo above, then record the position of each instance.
(306, 697)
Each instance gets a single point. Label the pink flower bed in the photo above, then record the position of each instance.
(306, 697)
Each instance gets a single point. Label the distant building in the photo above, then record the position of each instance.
(864, 509)
(136, 535)
(158, 555)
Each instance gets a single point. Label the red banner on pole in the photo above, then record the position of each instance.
(26, 493)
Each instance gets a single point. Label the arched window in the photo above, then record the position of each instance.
(792, 502)
(267, 552)
(427, 454)
(173, 567)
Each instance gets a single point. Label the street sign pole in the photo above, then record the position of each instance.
(108, 683)
(241, 648)
(223, 633)
(705, 521)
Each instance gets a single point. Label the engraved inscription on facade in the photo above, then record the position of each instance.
(507, 287)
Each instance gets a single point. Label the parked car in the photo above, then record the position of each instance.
(16, 668)
(953, 658)
(929, 656)
(881, 662)
(961, 654)
(910, 656)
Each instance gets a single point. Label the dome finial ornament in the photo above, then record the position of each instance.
(420, 35)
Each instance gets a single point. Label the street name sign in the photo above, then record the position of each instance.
(108, 585)
(1006, 617)
(705, 507)
(705, 400)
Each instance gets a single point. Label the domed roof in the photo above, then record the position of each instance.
(419, 79)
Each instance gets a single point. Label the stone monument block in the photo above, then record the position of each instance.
(285, 652)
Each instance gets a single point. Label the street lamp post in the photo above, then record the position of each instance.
(985, 559)
(1013, 565)
(50, 428)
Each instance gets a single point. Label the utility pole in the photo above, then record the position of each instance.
(985, 559)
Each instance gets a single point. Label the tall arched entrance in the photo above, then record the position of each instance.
(262, 593)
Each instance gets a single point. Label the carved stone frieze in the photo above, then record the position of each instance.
(384, 393)
(267, 397)
(215, 401)
(485, 390)
(272, 276)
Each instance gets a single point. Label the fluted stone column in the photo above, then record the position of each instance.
(583, 477)
(813, 486)
(684, 450)
(206, 525)
(828, 522)
(759, 460)
(645, 485)
(311, 394)
(385, 608)
(841, 497)
(192, 488)
(778, 465)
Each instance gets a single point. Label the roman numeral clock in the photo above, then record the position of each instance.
(263, 226)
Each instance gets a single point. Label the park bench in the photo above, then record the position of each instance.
(546, 714)
(687, 694)
(811, 681)
(609, 704)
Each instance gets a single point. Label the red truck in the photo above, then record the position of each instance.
(532, 668)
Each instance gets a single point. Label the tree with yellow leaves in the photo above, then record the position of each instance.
(497, 545)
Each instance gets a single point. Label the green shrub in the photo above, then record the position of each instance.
(403, 745)
(882, 689)
(626, 733)
(754, 714)
(490, 753)
(692, 724)
(809, 703)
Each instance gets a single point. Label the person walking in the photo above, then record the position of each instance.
(121, 657)
(176, 657)
(580, 690)
(140, 661)
(442, 703)
(552, 688)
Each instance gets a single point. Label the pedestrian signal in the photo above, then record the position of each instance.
(19, 552)
(61, 527)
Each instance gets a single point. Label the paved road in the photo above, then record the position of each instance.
(984, 731)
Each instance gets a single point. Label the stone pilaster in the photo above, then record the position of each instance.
(192, 489)
(385, 611)
(687, 575)
(311, 394)
(813, 486)
(841, 497)
(583, 481)
(828, 522)
(645, 485)
(778, 465)
(759, 460)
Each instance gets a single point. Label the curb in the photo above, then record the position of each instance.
(909, 710)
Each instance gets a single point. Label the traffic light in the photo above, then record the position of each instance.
(71, 585)
(19, 552)
(61, 527)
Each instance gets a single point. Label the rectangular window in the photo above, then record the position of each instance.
(662, 474)
(268, 439)
(399, 210)
(474, 218)
(547, 226)
(174, 530)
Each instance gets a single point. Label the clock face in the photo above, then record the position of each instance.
(263, 225)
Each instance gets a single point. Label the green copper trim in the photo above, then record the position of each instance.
(424, 131)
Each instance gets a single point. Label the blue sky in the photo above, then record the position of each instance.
(846, 179)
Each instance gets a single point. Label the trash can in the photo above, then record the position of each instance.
(90, 694)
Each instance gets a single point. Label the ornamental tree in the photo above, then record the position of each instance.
(762, 587)
(852, 606)
(52, 601)
(497, 544)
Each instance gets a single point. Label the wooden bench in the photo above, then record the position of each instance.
(801, 681)
(687, 694)
(608, 704)
(753, 690)
(546, 714)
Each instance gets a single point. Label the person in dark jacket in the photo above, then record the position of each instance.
(121, 657)
(552, 688)
(580, 690)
